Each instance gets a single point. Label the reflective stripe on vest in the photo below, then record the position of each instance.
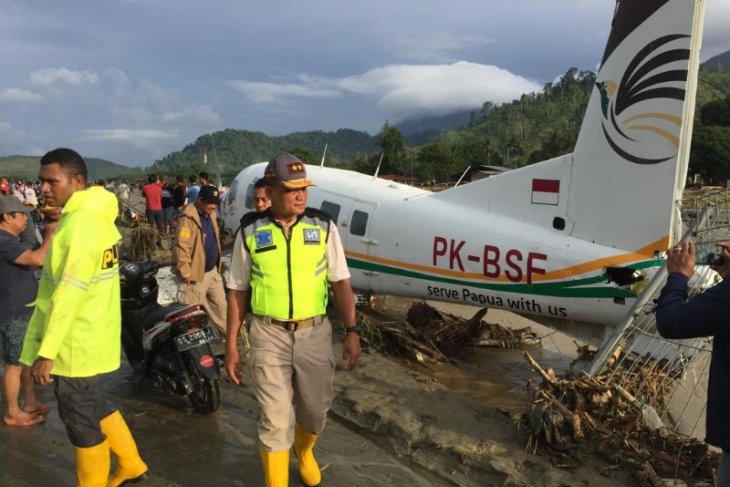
(288, 276)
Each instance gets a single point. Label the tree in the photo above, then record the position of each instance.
(306, 156)
(716, 112)
(710, 154)
(436, 162)
(394, 150)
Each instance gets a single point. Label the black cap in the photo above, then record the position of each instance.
(209, 194)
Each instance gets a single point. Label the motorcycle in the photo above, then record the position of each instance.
(169, 344)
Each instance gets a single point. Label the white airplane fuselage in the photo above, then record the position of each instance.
(400, 240)
(566, 239)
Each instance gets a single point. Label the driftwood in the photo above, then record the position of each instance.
(568, 411)
(431, 336)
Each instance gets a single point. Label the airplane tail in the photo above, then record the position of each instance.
(619, 186)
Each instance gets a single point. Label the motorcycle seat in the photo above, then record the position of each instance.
(158, 314)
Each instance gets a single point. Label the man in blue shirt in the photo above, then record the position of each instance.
(18, 289)
(706, 314)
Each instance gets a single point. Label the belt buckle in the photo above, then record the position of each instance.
(291, 326)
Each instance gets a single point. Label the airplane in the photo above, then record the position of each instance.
(568, 239)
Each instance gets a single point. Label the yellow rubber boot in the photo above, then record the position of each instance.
(130, 467)
(276, 468)
(92, 465)
(303, 449)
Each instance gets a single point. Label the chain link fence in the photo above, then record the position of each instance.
(668, 377)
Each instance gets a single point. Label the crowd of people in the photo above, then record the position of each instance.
(65, 329)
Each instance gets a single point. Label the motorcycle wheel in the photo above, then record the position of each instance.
(205, 396)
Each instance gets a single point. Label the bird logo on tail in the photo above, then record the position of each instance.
(658, 71)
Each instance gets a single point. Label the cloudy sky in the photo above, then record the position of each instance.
(132, 80)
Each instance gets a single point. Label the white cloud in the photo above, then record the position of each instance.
(127, 135)
(52, 76)
(404, 91)
(197, 114)
(20, 95)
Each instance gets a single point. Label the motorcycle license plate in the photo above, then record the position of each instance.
(190, 340)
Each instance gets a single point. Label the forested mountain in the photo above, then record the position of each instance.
(26, 168)
(535, 127)
(539, 126)
(235, 149)
(721, 61)
(424, 130)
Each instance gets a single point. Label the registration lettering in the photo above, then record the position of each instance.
(514, 264)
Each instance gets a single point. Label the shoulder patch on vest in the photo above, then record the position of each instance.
(185, 233)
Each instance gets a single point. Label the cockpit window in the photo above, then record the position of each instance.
(332, 209)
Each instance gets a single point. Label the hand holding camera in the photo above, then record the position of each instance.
(684, 256)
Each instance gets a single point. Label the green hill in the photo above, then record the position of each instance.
(537, 127)
(719, 62)
(26, 168)
(235, 149)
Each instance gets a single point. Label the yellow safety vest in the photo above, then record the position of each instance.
(288, 275)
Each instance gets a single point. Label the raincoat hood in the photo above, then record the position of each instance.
(96, 200)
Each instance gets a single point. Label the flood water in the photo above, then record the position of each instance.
(184, 449)
(499, 377)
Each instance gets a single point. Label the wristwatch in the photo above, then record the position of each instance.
(353, 329)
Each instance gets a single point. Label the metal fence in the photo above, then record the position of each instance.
(668, 377)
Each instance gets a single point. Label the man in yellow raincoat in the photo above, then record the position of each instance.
(74, 335)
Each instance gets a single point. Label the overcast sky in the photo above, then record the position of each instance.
(133, 80)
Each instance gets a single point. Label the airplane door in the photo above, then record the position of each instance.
(359, 241)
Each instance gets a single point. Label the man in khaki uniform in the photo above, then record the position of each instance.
(284, 259)
(197, 257)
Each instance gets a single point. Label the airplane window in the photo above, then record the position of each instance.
(249, 196)
(359, 223)
(332, 209)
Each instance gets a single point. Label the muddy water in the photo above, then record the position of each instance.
(185, 449)
(499, 378)
(495, 377)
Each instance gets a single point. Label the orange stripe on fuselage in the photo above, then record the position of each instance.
(643, 253)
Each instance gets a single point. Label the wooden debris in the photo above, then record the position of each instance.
(143, 242)
(431, 336)
(568, 411)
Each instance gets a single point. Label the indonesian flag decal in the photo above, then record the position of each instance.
(545, 191)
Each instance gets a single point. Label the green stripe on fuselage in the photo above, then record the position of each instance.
(568, 289)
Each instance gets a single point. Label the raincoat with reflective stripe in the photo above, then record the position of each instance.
(77, 317)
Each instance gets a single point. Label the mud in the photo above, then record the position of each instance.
(389, 425)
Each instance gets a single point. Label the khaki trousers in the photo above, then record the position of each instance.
(285, 365)
(210, 293)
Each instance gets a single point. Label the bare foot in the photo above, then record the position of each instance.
(23, 419)
(36, 408)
